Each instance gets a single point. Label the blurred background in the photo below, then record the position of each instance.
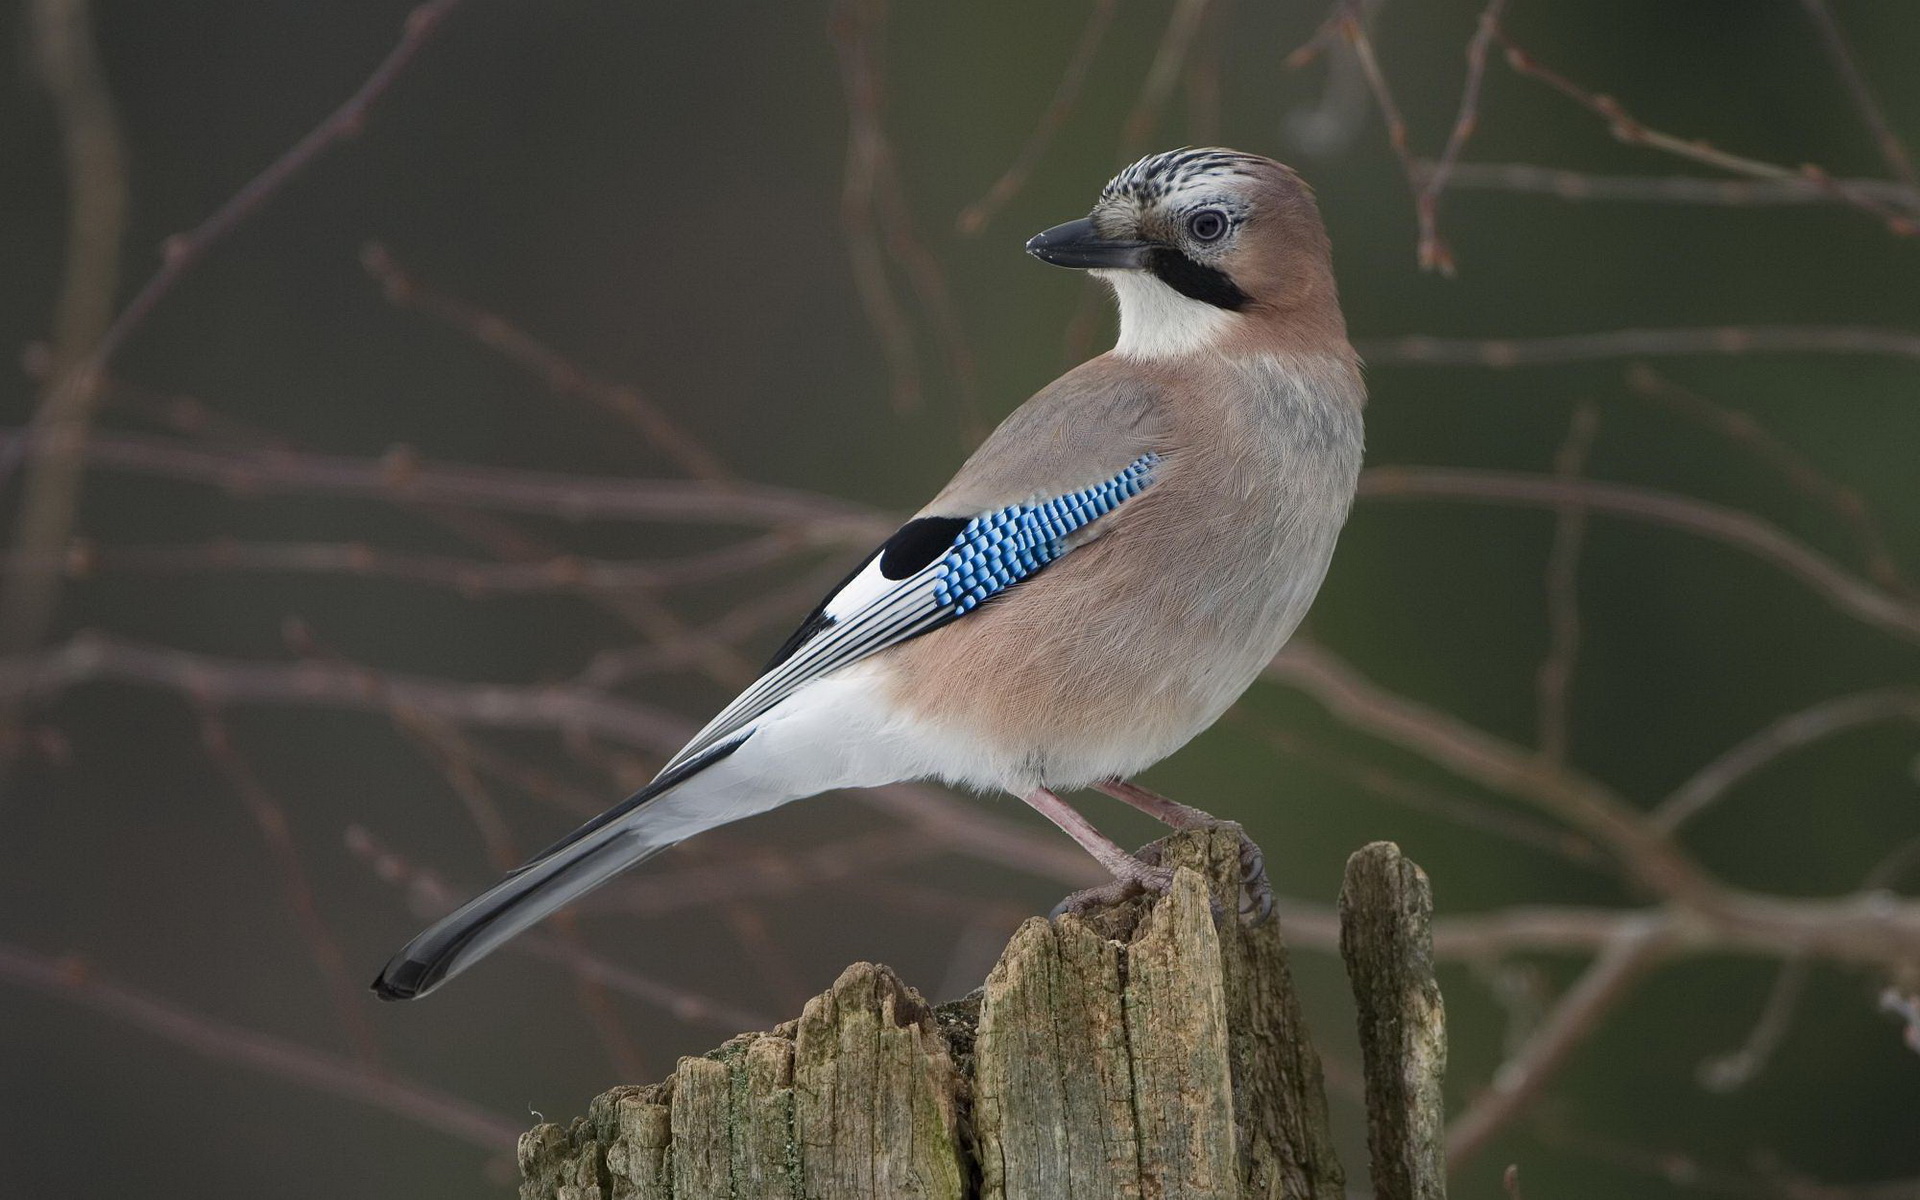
(393, 550)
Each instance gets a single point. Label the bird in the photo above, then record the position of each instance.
(1102, 578)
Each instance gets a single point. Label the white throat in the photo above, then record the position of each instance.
(1158, 322)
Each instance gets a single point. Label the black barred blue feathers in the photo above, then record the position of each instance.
(1001, 548)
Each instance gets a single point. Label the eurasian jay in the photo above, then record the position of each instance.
(1105, 575)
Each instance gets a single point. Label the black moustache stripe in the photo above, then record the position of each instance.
(1192, 279)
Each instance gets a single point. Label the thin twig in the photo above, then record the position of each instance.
(562, 375)
(1571, 1022)
(1823, 720)
(401, 477)
(1734, 1070)
(1434, 253)
(1630, 130)
(1578, 186)
(270, 817)
(73, 980)
(879, 223)
(974, 218)
(1742, 430)
(1421, 350)
(183, 251)
(1156, 88)
(563, 575)
(1555, 677)
(1858, 598)
(1891, 149)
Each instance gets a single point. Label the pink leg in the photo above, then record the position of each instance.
(1130, 875)
(1168, 812)
(1258, 901)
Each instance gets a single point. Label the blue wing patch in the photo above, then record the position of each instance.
(877, 607)
(999, 549)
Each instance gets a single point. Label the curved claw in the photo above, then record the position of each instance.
(1146, 878)
(1256, 905)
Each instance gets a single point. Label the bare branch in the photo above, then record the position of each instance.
(974, 218)
(1664, 189)
(1434, 253)
(1521, 1077)
(270, 816)
(401, 477)
(1731, 340)
(1555, 677)
(183, 251)
(1789, 733)
(1742, 430)
(1626, 128)
(1897, 159)
(563, 376)
(74, 981)
(1896, 615)
(69, 66)
(1866, 928)
(563, 574)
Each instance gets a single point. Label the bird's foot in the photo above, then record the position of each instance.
(1256, 891)
(1143, 876)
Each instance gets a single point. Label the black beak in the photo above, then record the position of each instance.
(1079, 244)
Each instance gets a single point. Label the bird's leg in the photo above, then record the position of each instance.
(1257, 902)
(1130, 875)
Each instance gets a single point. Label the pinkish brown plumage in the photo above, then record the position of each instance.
(1100, 580)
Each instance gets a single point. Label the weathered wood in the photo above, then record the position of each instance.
(1150, 1050)
(1386, 937)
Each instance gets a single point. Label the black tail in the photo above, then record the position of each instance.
(582, 861)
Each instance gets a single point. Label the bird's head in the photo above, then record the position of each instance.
(1208, 250)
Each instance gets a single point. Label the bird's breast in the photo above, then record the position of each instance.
(1124, 649)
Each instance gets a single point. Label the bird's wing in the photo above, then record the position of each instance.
(935, 569)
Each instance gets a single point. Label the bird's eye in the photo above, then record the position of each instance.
(1207, 225)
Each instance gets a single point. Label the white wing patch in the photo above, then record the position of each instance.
(965, 564)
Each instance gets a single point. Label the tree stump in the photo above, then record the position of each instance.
(1153, 1049)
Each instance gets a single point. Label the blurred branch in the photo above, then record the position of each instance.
(1731, 1071)
(1421, 350)
(73, 980)
(1891, 150)
(562, 574)
(183, 251)
(1868, 928)
(1663, 189)
(1428, 184)
(1743, 431)
(1163, 73)
(561, 375)
(1896, 615)
(1789, 733)
(974, 218)
(401, 477)
(1572, 1020)
(1464, 811)
(69, 67)
(1555, 677)
(879, 223)
(1626, 128)
(965, 828)
(276, 831)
